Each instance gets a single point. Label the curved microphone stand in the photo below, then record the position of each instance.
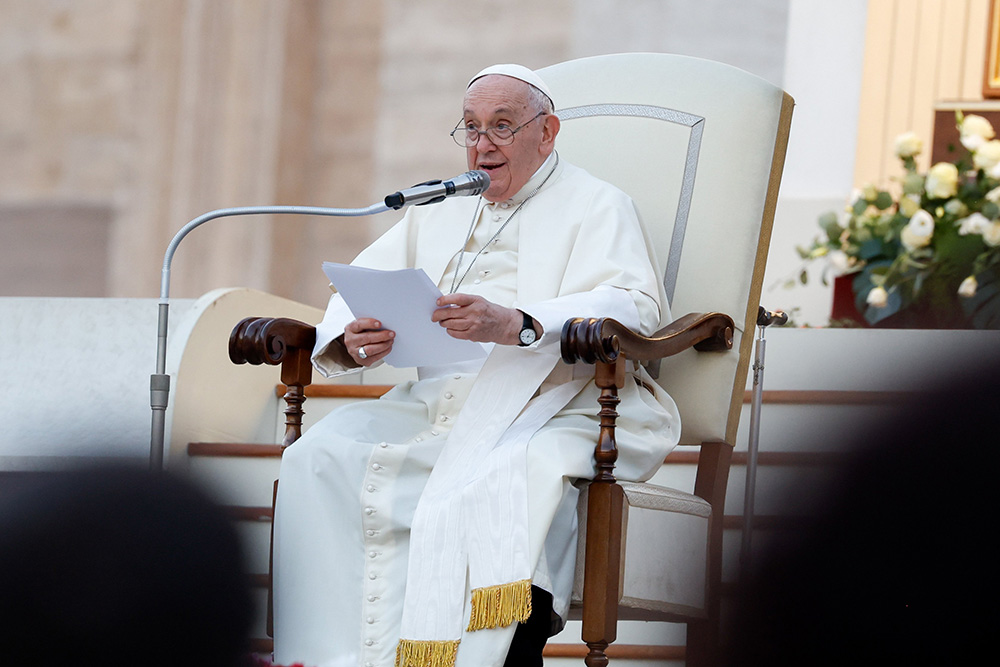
(159, 382)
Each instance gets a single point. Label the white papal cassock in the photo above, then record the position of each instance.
(349, 487)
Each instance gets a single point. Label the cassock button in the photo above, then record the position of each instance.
(376, 467)
(372, 554)
(434, 433)
(369, 510)
(373, 576)
(448, 395)
(370, 533)
(370, 488)
(369, 620)
(505, 204)
(372, 598)
(418, 439)
(383, 444)
(476, 281)
(496, 218)
(369, 642)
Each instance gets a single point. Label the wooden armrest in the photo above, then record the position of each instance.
(603, 339)
(269, 340)
(273, 341)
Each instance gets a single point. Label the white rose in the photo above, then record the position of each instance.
(991, 235)
(922, 223)
(975, 131)
(840, 263)
(974, 224)
(878, 297)
(993, 195)
(942, 181)
(987, 156)
(968, 287)
(908, 144)
(911, 241)
(918, 230)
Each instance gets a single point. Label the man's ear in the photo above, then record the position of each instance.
(550, 128)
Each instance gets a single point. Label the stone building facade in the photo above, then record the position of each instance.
(123, 119)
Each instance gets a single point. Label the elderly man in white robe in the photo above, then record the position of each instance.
(414, 530)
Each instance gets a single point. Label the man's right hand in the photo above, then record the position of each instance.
(367, 333)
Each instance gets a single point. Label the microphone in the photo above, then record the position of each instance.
(766, 318)
(470, 183)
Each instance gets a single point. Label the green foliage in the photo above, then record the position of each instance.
(921, 249)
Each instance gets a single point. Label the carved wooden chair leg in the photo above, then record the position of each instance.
(605, 512)
(601, 580)
(703, 636)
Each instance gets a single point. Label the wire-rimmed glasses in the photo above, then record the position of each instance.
(467, 136)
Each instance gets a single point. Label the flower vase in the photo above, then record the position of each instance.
(844, 310)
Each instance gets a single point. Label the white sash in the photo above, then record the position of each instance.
(472, 518)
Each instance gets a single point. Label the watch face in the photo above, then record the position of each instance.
(527, 336)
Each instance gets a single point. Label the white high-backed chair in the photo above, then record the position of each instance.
(699, 146)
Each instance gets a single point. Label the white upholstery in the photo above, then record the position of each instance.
(694, 143)
(665, 544)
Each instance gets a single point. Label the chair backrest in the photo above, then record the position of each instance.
(699, 146)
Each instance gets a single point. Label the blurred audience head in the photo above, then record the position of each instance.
(899, 568)
(118, 567)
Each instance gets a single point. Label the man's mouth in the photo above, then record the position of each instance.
(489, 167)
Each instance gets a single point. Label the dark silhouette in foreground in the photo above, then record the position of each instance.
(118, 567)
(900, 568)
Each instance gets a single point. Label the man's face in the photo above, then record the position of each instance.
(494, 100)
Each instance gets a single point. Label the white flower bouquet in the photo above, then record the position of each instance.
(930, 256)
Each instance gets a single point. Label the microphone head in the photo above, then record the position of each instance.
(478, 182)
(471, 183)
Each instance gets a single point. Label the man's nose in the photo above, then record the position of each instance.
(489, 143)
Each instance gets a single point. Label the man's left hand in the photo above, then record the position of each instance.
(474, 318)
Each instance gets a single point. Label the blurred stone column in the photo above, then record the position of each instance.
(238, 103)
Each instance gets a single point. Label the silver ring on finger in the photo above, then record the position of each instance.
(362, 353)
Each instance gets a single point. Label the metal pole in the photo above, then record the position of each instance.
(159, 382)
(764, 319)
(752, 446)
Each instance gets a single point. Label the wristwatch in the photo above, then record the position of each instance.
(527, 335)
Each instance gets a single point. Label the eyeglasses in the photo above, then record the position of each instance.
(467, 136)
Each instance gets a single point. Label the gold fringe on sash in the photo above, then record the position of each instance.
(499, 606)
(414, 653)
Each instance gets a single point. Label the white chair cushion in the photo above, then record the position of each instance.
(665, 543)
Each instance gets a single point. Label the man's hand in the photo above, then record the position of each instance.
(367, 333)
(474, 318)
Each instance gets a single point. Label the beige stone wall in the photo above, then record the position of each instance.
(155, 111)
(120, 120)
(65, 74)
(147, 113)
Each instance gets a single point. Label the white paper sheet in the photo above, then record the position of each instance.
(403, 302)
